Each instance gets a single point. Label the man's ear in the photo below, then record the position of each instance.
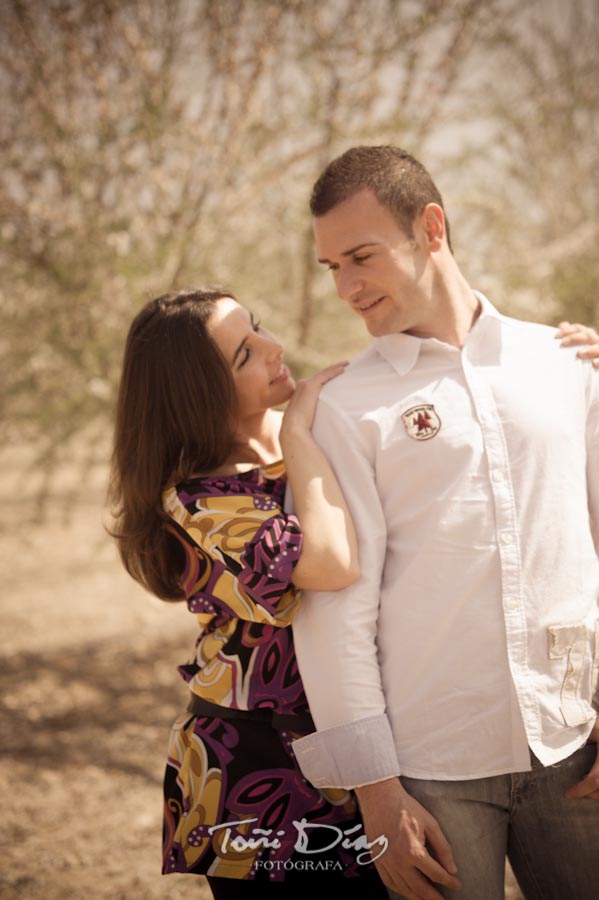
(433, 226)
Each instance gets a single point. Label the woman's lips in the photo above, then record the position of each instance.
(282, 376)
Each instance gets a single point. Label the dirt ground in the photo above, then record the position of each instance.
(89, 691)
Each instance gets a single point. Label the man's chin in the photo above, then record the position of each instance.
(388, 325)
(376, 329)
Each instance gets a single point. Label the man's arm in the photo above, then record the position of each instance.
(335, 638)
(589, 786)
(592, 442)
(336, 633)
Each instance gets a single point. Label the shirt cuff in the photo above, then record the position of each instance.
(348, 756)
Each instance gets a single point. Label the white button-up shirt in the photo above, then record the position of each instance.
(473, 479)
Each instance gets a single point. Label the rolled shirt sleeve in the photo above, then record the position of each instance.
(335, 632)
(359, 753)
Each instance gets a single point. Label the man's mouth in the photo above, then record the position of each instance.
(370, 304)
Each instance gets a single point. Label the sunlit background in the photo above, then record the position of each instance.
(152, 145)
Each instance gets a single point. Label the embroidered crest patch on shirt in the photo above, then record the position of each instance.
(422, 422)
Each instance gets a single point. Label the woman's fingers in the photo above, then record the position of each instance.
(571, 335)
(302, 406)
(330, 372)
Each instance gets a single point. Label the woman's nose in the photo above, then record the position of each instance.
(273, 346)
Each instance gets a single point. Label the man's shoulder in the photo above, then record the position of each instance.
(527, 328)
(537, 339)
(513, 326)
(368, 364)
(367, 360)
(353, 388)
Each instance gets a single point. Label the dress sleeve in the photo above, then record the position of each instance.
(240, 553)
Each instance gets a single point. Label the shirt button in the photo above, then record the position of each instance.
(497, 475)
(511, 603)
(506, 538)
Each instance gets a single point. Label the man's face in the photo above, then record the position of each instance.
(377, 268)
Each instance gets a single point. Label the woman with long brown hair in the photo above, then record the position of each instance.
(197, 489)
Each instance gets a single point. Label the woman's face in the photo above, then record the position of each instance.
(261, 378)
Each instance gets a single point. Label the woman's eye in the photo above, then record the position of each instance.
(257, 326)
(245, 357)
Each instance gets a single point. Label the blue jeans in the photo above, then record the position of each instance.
(552, 843)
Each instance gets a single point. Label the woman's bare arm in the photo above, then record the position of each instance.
(329, 558)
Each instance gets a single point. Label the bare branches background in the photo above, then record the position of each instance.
(150, 145)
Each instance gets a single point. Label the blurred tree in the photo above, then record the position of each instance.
(534, 200)
(151, 144)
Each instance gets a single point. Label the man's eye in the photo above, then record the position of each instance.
(360, 259)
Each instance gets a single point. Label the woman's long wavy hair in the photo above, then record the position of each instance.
(176, 415)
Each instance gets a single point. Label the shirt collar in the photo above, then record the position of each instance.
(488, 311)
(402, 350)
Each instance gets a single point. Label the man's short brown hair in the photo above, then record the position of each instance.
(400, 183)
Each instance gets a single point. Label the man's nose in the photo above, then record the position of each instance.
(347, 284)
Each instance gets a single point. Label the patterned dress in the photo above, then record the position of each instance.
(238, 553)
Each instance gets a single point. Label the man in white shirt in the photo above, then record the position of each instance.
(466, 658)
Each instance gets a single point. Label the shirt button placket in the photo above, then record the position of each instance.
(500, 484)
(507, 539)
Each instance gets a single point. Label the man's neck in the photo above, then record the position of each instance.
(456, 309)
